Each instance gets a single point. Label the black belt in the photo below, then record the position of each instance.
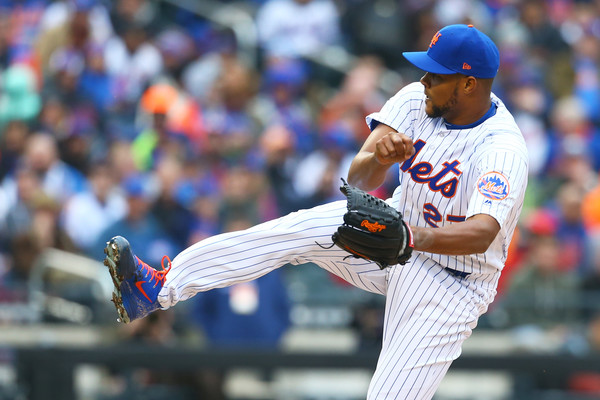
(458, 274)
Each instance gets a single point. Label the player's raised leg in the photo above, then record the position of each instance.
(235, 257)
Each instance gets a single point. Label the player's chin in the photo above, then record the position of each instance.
(429, 109)
(432, 111)
(428, 105)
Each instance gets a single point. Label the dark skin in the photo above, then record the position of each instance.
(460, 100)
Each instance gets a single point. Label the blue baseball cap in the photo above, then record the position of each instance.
(459, 49)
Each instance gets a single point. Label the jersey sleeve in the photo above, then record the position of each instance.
(501, 180)
(400, 110)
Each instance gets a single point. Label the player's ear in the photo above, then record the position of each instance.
(470, 84)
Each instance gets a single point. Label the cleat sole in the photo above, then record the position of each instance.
(112, 258)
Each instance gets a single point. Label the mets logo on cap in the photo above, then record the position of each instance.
(493, 185)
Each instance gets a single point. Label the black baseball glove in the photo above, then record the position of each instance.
(373, 230)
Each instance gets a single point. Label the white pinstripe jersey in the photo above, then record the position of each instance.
(455, 173)
(458, 172)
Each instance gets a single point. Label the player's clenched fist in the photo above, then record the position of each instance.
(393, 147)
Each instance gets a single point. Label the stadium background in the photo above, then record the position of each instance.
(169, 121)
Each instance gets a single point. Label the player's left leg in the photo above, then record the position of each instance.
(236, 257)
(429, 313)
(297, 238)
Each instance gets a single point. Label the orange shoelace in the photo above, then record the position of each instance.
(158, 276)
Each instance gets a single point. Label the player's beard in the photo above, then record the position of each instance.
(440, 111)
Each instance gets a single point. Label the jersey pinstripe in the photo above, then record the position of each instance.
(430, 310)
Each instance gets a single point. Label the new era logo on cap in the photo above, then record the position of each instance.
(458, 49)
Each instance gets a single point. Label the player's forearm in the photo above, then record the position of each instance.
(365, 172)
(470, 237)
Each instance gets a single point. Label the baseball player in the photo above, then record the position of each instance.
(463, 172)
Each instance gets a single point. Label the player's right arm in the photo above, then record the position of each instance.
(475, 235)
(383, 148)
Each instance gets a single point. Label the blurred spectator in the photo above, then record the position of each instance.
(95, 82)
(572, 135)
(296, 28)
(376, 28)
(64, 68)
(20, 99)
(200, 75)
(359, 95)
(170, 112)
(142, 13)
(462, 11)
(45, 226)
(133, 62)
(422, 27)
(570, 231)
(530, 102)
(248, 315)
(243, 197)
(57, 13)
(201, 196)
(69, 111)
(155, 138)
(72, 33)
(43, 232)
(587, 84)
(139, 224)
(543, 37)
(542, 294)
(318, 174)
(18, 205)
(176, 220)
(121, 158)
(283, 101)
(55, 117)
(59, 180)
(86, 215)
(578, 27)
(232, 129)
(12, 146)
(278, 146)
(539, 222)
(177, 49)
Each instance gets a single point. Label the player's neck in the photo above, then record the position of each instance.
(490, 113)
(470, 113)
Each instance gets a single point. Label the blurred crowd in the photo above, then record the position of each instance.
(144, 119)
